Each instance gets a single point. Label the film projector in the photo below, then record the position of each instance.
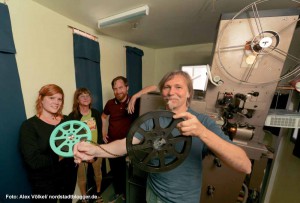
(253, 53)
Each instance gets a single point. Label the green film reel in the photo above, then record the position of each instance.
(66, 135)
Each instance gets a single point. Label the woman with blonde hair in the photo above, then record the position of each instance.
(48, 173)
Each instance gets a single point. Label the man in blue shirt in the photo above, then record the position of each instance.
(183, 183)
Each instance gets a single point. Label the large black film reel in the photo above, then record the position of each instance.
(161, 148)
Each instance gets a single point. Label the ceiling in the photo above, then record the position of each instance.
(169, 23)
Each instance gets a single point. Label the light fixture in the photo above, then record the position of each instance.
(125, 16)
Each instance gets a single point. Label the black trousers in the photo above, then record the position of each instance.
(63, 183)
(118, 170)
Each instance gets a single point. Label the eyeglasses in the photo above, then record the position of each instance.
(84, 96)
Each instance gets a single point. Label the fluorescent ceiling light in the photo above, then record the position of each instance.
(125, 16)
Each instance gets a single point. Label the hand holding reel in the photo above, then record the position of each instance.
(160, 149)
(66, 135)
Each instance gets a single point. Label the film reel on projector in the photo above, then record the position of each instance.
(161, 148)
(66, 135)
(253, 45)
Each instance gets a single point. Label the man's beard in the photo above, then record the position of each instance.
(170, 103)
(120, 97)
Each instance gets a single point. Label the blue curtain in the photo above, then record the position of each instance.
(87, 67)
(13, 178)
(134, 69)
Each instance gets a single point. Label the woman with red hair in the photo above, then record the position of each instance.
(48, 173)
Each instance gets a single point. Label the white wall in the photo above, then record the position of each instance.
(169, 59)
